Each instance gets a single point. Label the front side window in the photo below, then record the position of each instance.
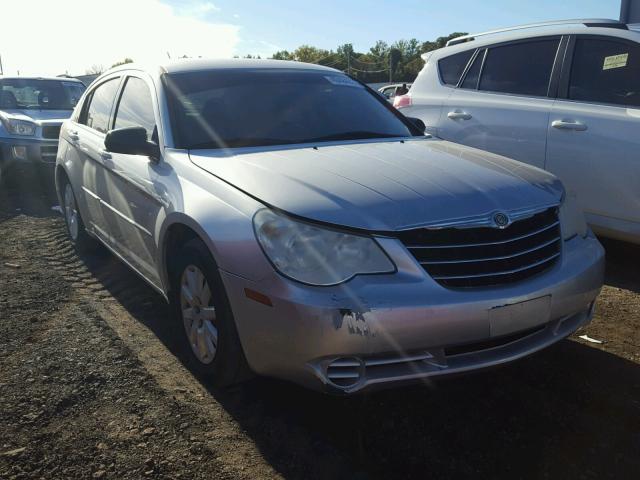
(519, 69)
(605, 71)
(100, 102)
(452, 67)
(135, 108)
(258, 107)
(38, 94)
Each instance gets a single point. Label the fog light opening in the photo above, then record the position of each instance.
(345, 372)
(19, 152)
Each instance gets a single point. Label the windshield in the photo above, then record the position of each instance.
(35, 94)
(257, 107)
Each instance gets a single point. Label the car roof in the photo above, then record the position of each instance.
(554, 28)
(21, 77)
(201, 64)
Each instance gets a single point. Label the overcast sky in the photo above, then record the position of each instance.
(51, 37)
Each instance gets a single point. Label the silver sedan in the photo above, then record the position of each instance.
(301, 228)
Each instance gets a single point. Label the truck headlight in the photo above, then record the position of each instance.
(20, 127)
(572, 219)
(316, 255)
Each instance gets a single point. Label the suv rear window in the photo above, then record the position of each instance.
(520, 68)
(605, 71)
(452, 67)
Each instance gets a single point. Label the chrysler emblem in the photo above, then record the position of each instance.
(501, 220)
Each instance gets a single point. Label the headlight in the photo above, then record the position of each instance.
(20, 127)
(572, 219)
(314, 255)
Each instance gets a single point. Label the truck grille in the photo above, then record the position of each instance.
(484, 256)
(51, 131)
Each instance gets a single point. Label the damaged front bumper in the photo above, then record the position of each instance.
(383, 330)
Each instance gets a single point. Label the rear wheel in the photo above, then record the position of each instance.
(204, 322)
(75, 226)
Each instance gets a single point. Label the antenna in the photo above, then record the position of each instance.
(1, 69)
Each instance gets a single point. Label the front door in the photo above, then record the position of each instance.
(133, 183)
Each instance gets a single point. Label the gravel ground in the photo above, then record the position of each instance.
(90, 387)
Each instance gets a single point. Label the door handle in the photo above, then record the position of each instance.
(459, 115)
(569, 125)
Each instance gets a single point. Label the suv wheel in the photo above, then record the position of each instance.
(204, 321)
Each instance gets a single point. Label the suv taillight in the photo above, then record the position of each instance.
(402, 101)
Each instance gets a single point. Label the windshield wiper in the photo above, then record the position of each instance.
(356, 135)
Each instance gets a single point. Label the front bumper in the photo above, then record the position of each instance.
(25, 150)
(382, 330)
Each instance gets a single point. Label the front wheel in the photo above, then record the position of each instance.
(204, 322)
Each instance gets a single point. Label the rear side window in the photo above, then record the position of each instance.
(100, 101)
(605, 71)
(451, 67)
(135, 108)
(520, 69)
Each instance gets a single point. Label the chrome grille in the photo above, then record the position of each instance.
(51, 131)
(484, 256)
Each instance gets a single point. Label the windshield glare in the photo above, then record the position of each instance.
(35, 94)
(240, 108)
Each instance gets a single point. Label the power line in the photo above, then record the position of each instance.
(369, 71)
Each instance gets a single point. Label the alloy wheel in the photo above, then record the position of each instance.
(198, 314)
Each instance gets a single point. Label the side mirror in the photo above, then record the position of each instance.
(131, 141)
(419, 124)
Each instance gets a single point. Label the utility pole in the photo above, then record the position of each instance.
(348, 63)
(390, 70)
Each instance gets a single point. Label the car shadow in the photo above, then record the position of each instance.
(569, 411)
(27, 191)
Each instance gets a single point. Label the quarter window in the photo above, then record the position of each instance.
(100, 102)
(605, 71)
(135, 108)
(520, 69)
(451, 67)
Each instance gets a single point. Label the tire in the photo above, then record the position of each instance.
(78, 235)
(203, 322)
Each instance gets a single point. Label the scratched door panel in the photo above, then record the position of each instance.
(135, 207)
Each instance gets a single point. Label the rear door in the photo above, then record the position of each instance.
(134, 185)
(502, 103)
(85, 152)
(594, 131)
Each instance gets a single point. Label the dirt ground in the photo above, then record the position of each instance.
(90, 388)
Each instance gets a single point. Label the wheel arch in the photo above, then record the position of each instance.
(176, 232)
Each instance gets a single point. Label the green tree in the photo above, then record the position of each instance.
(122, 62)
(402, 58)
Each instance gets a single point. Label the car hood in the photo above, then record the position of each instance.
(384, 185)
(38, 116)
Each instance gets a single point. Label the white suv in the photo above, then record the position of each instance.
(563, 96)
